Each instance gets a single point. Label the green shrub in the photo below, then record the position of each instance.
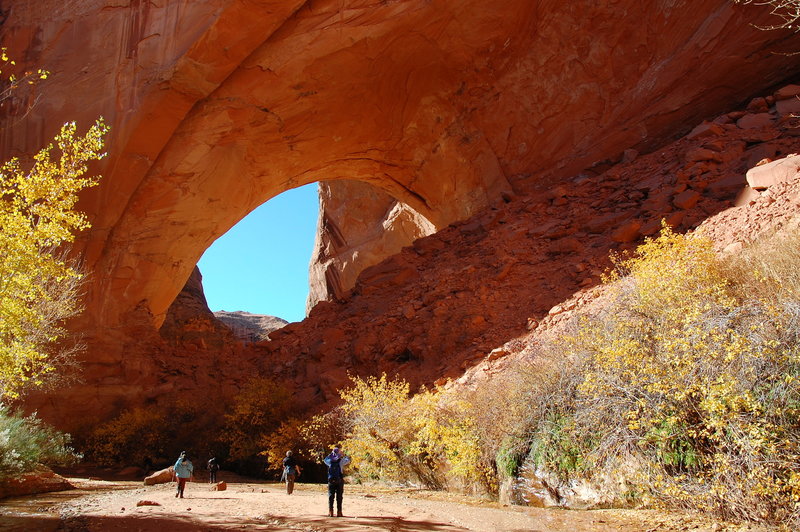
(26, 442)
(559, 447)
(510, 456)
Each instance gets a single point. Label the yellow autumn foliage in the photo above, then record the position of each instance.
(688, 382)
(431, 438)
(257, 410)
(37, 283)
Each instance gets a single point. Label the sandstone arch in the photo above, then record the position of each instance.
(218, 106)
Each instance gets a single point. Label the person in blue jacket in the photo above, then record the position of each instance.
(336, 462)
(183, 472)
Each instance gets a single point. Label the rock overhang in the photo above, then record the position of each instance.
(216, 108)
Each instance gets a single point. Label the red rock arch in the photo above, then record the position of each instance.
(218, 106)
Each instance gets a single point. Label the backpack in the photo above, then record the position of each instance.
(335, 469)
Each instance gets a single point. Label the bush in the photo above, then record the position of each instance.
(134, 437)
(687, 384)
(430, 439)
(155, 435)
(26, 442)
(259, 409)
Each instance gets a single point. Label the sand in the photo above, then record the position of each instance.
(248, 505)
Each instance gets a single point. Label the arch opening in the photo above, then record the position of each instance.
(260, 265)
(306, 245)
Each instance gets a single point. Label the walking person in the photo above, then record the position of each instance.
(183, 472)
(291, 470)
(212, 467)
(336, 462)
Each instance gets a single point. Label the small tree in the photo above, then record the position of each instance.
(38, 285)
(259, 409)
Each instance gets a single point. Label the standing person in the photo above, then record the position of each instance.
(183, 471)
(213, 467)
(291, 470)
(335, 462)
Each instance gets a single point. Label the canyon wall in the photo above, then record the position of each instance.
(358, 226)
(450, 107)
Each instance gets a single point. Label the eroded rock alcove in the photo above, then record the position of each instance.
(449, 107)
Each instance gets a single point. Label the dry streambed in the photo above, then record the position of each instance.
(102, 506)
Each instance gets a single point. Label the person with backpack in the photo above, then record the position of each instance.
(336, 462)
(291, 470)
(183, 472)
(212, 467)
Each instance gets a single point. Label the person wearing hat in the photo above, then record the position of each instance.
(336, 462)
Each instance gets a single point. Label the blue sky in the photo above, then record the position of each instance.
(261, 264)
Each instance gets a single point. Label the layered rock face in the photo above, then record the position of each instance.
(450, 107)
(249, 327)
(218, 106)
(457, 303)
(358, 226)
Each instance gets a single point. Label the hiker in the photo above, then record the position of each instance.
(212, 467)
(335, 462)
(291, 470)
(183, 472)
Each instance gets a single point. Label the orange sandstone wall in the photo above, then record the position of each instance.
(448, 106)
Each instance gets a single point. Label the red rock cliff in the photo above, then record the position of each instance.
(446, 105)
(358, 226)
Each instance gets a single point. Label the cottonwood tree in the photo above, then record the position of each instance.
(38, 220)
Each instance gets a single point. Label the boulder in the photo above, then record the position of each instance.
(765, 175)
(788, 107)
(703, 154)
(726, 187)
(755, 121)
(160, 477)
(761, 154)
(706, 129)
(147, 503)
(686, 199)
(40, 481)
(787, 92)
(758, 105)
(627, 232)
